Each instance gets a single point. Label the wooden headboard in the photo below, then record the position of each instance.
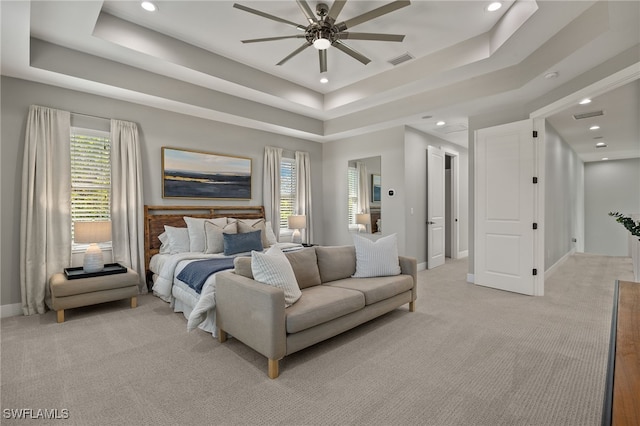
(156, 217)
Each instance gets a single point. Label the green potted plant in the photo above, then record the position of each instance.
(628, 223)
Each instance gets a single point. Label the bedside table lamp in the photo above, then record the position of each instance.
(363, 219)
(92, 233)
(297, 222)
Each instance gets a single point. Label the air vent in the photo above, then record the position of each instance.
(598, 137)
(400, 59)
(452, 128)
(588, 115)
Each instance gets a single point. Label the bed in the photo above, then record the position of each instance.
(170, 259)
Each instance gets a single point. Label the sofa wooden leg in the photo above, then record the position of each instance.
(134, 302)
(273, 368)
(60, 315)
(412, 306)
(222, 335)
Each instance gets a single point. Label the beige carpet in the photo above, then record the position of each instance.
(468, 356)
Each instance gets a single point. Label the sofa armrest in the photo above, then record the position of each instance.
(251, 312)
(409, 266)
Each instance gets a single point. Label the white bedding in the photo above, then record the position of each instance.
(198, 309)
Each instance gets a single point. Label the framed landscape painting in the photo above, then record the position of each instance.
(195, 174)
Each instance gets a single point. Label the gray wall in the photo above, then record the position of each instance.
(416, 144)
(158, 128)
(564, 198)
(610, 186)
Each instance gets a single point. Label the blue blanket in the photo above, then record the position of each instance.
(196, 273)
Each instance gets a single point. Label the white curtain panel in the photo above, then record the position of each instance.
(271, 187)
(127, 203)
(303, 193)
(45, 224)
(363, 191)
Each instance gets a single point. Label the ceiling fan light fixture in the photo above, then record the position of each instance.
(321, 43)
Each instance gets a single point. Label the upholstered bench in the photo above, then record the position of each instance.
(67, 294)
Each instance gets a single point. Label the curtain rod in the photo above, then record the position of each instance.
(91, 116)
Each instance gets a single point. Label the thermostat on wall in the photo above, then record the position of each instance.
(392, 192)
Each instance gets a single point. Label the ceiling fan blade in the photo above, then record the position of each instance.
(268, 16)
(349, 51)
(257, 40)
(306, 9)
(294, 53)
(370, 36)
(323, 60)
(372, 14)
(335, 10)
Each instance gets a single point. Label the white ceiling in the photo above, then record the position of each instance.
(187, 57)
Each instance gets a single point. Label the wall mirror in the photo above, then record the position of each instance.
(364, 182)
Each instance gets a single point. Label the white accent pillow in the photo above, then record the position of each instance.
(214, 241)
(250, 225)
(165, 248)
(271, 236)
(273, 268)
(178, 239)
(197, 238)
(376, 259)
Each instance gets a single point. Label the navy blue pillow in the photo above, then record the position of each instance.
(242, 243)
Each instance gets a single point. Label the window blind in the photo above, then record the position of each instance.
(287, 191)
(353, 179)
(90, 175)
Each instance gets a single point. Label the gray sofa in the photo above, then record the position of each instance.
(331, 302)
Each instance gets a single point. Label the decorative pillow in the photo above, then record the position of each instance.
(376, 259)
(178, 239)
(336, 262)
(250, 225)
(271, 236)
(214, 242)
(273, 268)
(242, 243)
(164, 243)
(197, 237)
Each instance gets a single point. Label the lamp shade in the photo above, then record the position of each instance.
(92, 232)
(297, 221)
(363, 218)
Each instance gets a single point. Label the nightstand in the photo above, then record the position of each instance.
(74, 293)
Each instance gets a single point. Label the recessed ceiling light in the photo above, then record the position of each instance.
(551, 75)
(601, 145)
(149, 6)
(605, 158)
(324, 80)
(440, 123)
(585, 101)
(596, 127)
(494, 6)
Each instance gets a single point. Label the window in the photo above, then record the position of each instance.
(287, 191)
(90, 175)
(353, 179)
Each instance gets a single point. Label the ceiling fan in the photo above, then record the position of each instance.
(323, 32)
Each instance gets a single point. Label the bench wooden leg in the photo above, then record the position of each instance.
(222, 335)
(412, 306)
(60, 315)
(273, 368)
(134, 302)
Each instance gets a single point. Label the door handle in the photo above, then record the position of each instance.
(430, 223)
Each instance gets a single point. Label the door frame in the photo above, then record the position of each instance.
(455, 191)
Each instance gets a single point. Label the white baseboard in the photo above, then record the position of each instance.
(10, 310)
(471, 278)
(462, 254)
(422, 266)
(560, 261)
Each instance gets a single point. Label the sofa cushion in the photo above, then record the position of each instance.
(336, 262)
(242, 266)
(376, 289)
(305, 266)
(320, 304)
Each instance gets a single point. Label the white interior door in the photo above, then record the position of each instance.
(505, 204)
(435, 207)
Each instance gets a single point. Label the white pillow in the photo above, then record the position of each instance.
(165, 248)
(271, 236)
(178, 239)
(197, 238)
(273, 268)
(250, 225)
(214, 241)
(376, 259)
